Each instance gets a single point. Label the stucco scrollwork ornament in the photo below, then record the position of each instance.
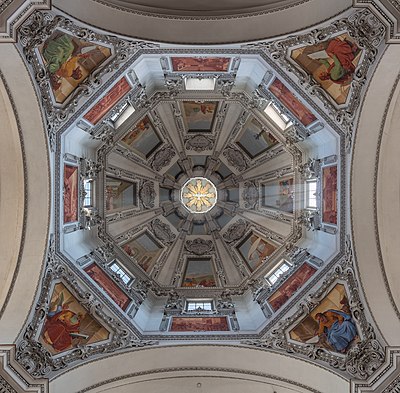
(310, 219)
(106, 251)
(5, 387)
(104, 133)
(174, 85)
(90, 218)
(174, 302)
(90, 169)
(250, 195)
(294, 135)
(147, 194)
(310, 169)
(235, 231)
(162, 231)
(224, 302)
(365, 358)
(235, 158)
(225, 85)
(199, 246)
(199, 143)
(162, 158)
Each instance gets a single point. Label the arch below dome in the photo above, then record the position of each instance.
(174, 363)
(242, 27)
(375, 242)
(24, 193)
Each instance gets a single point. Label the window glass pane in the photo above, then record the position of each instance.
(88, 192)
(275, 274)
(199, 305)
(311, 191)
(120, 272)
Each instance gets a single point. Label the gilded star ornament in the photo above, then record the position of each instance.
(199, 195)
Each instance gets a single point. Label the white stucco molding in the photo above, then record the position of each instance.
(13, 378)
(388, 11)
(386, 379)
(126, 19)
(14, 12)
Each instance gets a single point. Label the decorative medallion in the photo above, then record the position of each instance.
(199, 143)
(199, 195)
(199, 246)
(250, 195)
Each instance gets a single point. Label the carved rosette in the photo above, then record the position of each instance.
(199, 246)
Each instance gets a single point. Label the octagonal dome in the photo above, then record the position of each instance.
(199, 192)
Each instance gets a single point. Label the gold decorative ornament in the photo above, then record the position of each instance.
(199, 195)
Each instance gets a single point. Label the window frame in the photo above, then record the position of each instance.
(89, 193)
(278, 268)
(203, 302)
(307, 194)
(121, 272)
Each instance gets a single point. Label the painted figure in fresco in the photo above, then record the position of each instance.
(63, 57)
(337, 327)
(340, 67)
(62, 327)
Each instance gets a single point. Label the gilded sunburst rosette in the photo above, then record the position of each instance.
(199, 195)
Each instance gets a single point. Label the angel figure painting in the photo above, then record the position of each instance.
(330, 325)
(70, 61)
(331, 63)
(68, 324)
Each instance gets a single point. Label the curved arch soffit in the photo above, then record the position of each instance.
(150, 364)
(375, 217)
(111, 16)
(24, 193)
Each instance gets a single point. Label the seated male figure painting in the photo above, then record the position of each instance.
(330, 325)
(337, 327)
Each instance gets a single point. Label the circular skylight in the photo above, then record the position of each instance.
(198, 195)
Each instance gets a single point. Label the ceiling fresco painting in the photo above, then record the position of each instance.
(235, 195)
(69, 61)
(200, 64)
(68, 324)
(331, 63)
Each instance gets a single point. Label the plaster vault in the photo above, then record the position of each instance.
(210, 205)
